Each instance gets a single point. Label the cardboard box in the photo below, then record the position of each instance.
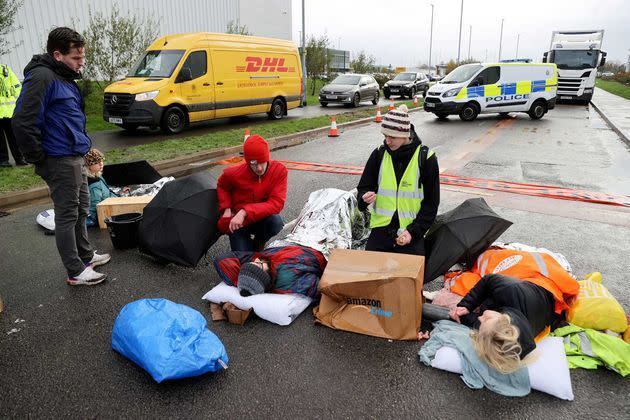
(372, 293)
(113, 206)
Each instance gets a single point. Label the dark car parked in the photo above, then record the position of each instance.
(350, 90)
(406, 84)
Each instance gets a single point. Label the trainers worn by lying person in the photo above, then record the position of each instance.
(88, 277)
(99, 259)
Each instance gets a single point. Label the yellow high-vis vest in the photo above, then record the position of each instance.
(406, 197)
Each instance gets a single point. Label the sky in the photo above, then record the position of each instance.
(397, 32)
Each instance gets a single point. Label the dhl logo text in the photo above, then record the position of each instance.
(265, 65)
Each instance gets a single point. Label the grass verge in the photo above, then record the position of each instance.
(616, 88)
(23, 178)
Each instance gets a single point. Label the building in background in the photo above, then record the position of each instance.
(271, 18)
(340, 62)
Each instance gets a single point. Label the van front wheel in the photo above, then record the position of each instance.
(469, 112)
(173, 120)
(538, 109)
(277, 109)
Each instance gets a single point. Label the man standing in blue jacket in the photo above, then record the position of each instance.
(49, 126)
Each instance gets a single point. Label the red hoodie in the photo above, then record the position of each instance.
(260, 196)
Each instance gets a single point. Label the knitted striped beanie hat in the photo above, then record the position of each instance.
(396, 122)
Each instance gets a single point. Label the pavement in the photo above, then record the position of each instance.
(58, 360)
(615, 111)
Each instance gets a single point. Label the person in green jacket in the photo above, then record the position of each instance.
(10, 88)
(99, 190)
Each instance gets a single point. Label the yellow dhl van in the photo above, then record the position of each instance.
(194, 77)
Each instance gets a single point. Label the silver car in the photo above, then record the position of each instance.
(350, 90)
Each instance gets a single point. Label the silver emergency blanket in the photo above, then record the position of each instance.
(141, 189)
(330, 219)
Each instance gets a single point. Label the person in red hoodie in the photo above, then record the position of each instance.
(250, 197)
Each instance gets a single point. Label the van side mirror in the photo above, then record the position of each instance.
(363, 84)
(185, 75)
(545, 55)
(603, 59)
(477, 82)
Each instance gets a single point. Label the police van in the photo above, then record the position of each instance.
(477, 88)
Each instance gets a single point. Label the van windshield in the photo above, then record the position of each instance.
(462, 73)
(575, 59)
(159, 63)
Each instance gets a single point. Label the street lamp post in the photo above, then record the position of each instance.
(518, 38)
(469, 40)
(431, 39)
(304, 74)
(501, 38)
(459, 44)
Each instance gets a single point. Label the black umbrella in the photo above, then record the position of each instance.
(130, 173)
(461, 235)
(180, 223)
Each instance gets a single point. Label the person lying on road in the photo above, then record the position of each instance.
(511, 314)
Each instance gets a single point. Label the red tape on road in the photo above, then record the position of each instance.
(550, 191)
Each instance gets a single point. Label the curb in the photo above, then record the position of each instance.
(611, 124)
(186, 165)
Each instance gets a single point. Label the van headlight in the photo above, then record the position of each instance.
(451, 92)
(147, 96)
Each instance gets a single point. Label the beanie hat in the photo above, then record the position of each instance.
(253, 280)
(396, 122)
(256, 149)
(93, 157)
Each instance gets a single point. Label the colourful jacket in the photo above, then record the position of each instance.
(294, 269)
(99, 191)
(260, 196)
(10, 88)
(588, 349)
(48, 118)
(538, 268)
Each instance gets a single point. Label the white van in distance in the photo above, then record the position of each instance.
(502, 88)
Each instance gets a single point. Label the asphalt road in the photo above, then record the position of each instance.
(60, 361)
(108, 140)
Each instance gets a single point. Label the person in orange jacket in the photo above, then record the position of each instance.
(250, 197)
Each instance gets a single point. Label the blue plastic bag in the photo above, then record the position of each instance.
(168, 340)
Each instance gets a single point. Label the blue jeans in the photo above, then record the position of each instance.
(254, 237)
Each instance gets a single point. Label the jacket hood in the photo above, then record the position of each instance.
(525, 336)
(46, 60)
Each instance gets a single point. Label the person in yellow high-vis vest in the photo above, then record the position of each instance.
(10, 88)
(401, 180)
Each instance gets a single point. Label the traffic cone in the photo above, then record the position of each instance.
(415, 100)
(391, 105)
(246, 134)
(378, 118)
(333, 132)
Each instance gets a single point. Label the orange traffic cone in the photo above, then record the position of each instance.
(333, 132)
(391, 105)
(246, 134)
(378, 118)
(415, 100)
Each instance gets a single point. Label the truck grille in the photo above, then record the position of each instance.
(569, 84)
(118, 103)
(435, 100)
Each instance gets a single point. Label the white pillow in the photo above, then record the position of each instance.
(548, 369)
(277, 308)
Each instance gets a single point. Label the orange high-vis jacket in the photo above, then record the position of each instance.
(536, 267)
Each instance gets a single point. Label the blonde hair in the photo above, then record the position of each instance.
(499, 346)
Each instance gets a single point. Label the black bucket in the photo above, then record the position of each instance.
(123, 229)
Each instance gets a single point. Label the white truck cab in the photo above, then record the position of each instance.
(502, 88)
(577, 54)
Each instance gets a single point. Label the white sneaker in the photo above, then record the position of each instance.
(88, 277)
(99, 259)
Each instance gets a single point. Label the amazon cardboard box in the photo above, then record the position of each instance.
(372, 293)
